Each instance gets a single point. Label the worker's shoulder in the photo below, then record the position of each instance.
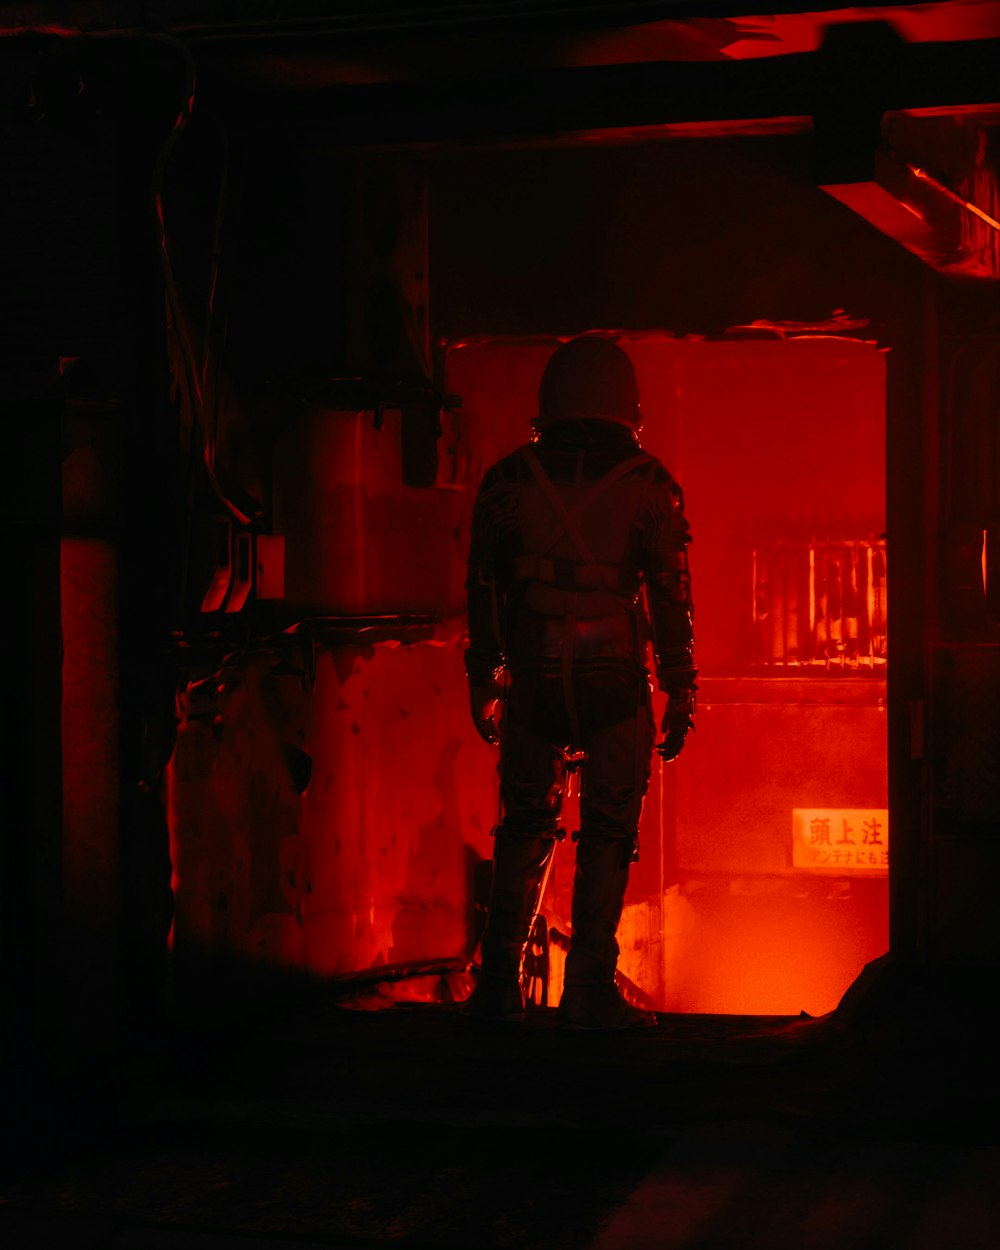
(502, 473)
(657, 473)
(663, 492)
(654, 466)
(642, 465)
(504, 467)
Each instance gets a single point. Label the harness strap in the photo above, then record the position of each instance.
(566, 516)
(569, 516)
(591, 573)
(567, 574)
(585, 604)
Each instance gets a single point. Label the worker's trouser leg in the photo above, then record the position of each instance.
(617, 727)
(591, 999)
(519, 861)
(602, 867)
(615, 778)
(532, 773)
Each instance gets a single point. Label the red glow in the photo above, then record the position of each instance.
(715, 873)
(372, 863)
(782, 34)
(772, 35)
(945, 228)
(89, 590)
(61, 32)
(377, 862)
(91, 781)
(924, 176)
(901, 221)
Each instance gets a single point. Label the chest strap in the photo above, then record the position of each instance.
(545, 593)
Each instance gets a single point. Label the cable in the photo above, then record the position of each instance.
(190, 381)
(193, 377)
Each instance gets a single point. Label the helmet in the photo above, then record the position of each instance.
(590, 376)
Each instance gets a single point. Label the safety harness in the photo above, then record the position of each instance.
(570, 588)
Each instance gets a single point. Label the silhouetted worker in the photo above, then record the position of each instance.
(567, 534)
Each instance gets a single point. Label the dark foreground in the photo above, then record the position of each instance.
(317, 1125)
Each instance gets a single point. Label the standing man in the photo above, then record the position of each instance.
(570, 535)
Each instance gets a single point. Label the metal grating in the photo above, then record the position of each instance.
(820, 605)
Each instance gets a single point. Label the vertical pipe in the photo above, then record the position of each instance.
(762, 607)
(777, 607)
(870, 600)
(822, 607)
(835, 604)
(813, 649)
(359, 498)
(754, 593)
(91, 728)
(792, 566)
(851, 605)
(881, 604)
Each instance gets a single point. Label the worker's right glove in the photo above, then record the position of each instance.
(677, 720)
(485, 704)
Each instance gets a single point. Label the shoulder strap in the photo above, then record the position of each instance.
(569, 517)
(566, 516)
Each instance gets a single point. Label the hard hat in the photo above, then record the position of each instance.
(589, 377)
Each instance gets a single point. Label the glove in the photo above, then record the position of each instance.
(677, 720)
(485, 703)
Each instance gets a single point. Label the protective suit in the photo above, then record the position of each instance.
(577, 561)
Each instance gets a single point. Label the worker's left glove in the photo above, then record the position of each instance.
(678, 719)
(485, 704)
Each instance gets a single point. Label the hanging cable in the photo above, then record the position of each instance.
(192, 377)
(190, 381)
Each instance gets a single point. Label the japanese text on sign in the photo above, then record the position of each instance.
(845, 840)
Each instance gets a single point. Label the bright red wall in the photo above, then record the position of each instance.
(769, 439)
(375, 863)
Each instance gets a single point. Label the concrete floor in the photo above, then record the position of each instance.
(309, 1124)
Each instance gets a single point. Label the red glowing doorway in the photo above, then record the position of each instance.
(762, 885)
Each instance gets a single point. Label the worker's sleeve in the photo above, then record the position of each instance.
(484, 653)
(666, 537)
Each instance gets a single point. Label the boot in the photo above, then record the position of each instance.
(591, 999)
(519, 861)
